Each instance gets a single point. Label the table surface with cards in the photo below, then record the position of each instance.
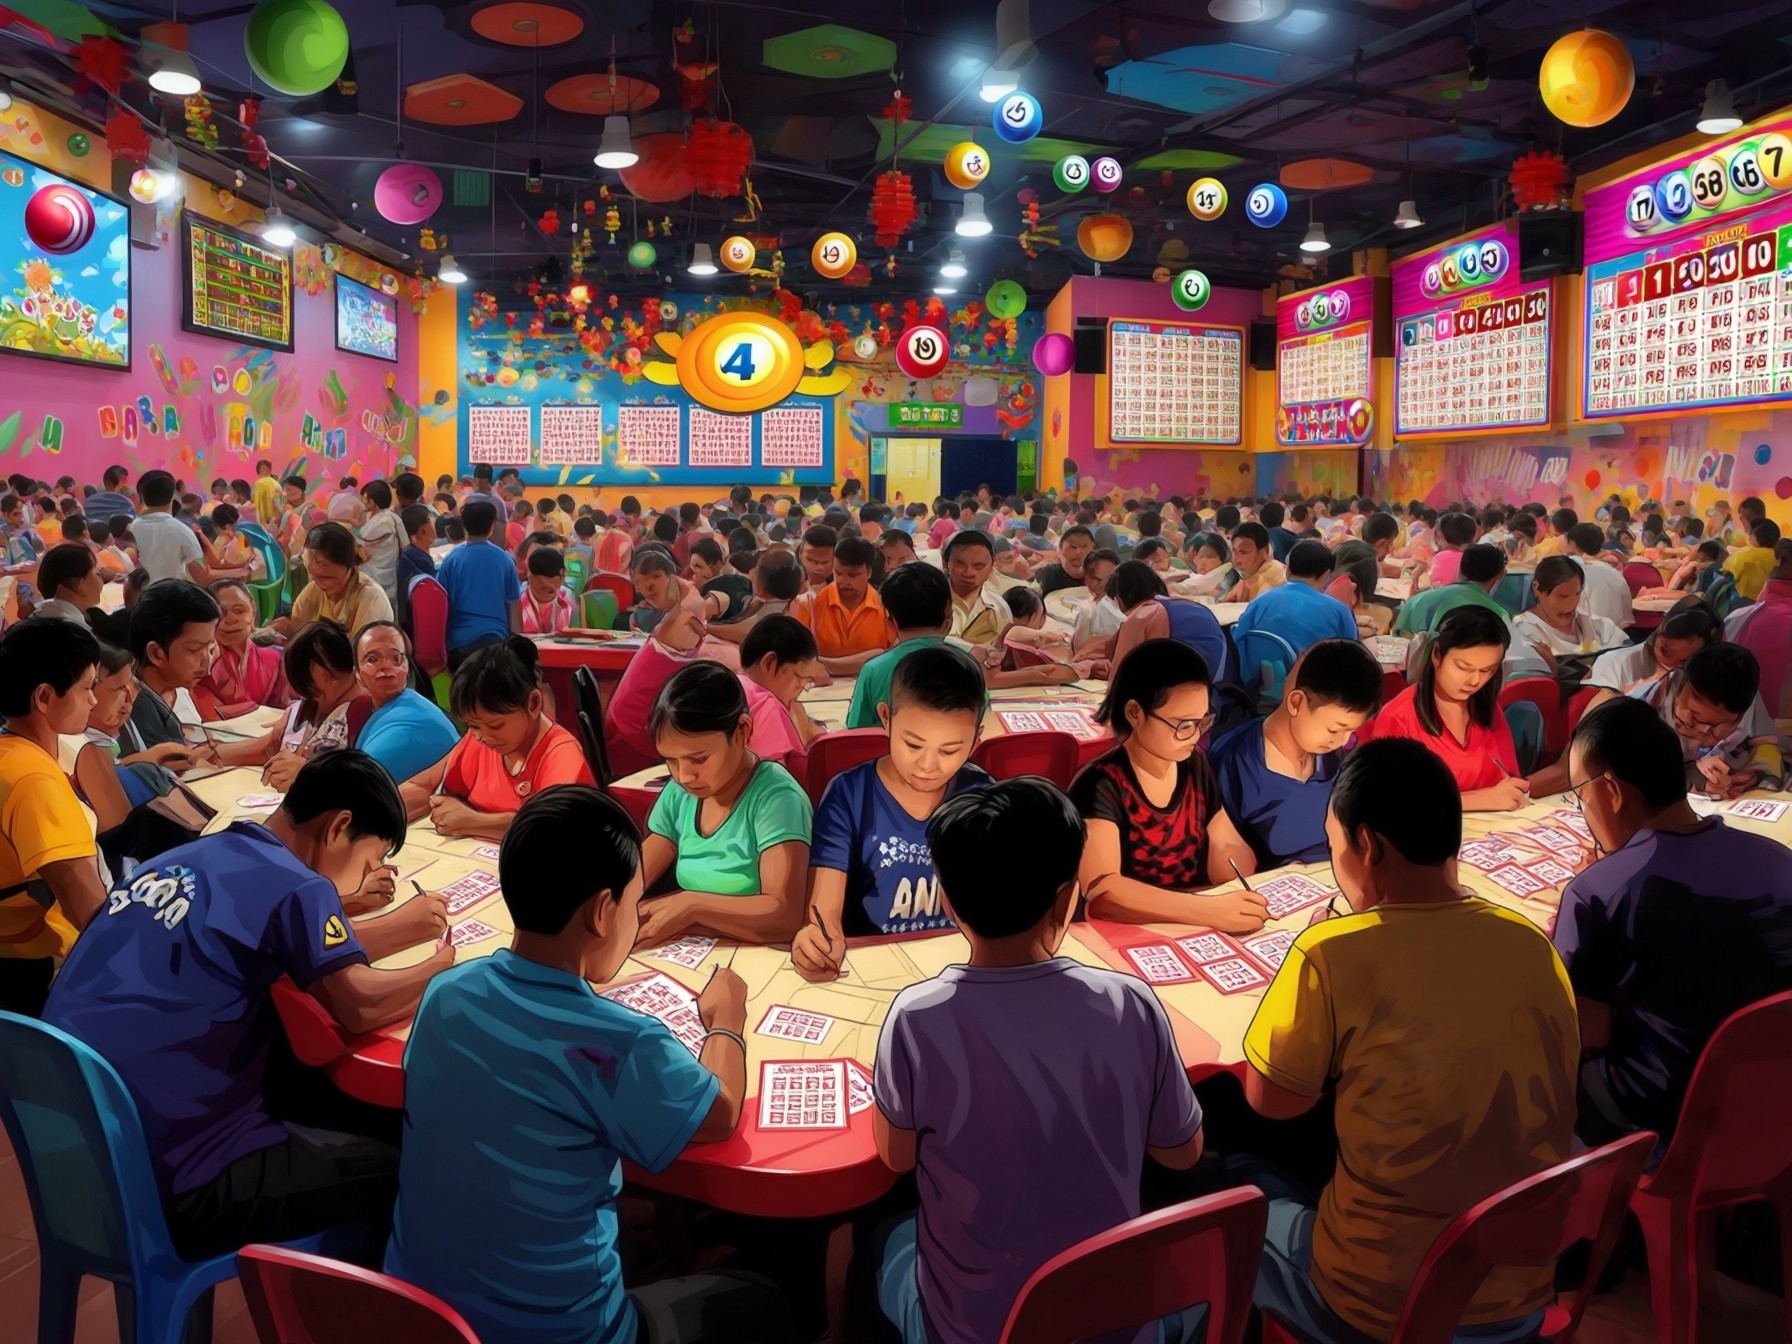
(805, 1145)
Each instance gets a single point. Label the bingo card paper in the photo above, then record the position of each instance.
(663, 997)
(1284, 895)
(687, 952)
(475, 887)
(1322, 365)
(1270, 947)
(1235, 975)
(1472, 342)
(647, 436)
(498, 435)
(860, 1096)
(1158, 963)
(806, 1094)
(470, 931)
(793, 1024)
(1207, 947)
(1689, 280)
(790, 436)
(571, 435)
(1174, 382)
(720, 440)
(1757, 809)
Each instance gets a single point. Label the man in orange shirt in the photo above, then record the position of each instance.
(845, 616)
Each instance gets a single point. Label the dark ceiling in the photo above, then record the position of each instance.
(1163, 86)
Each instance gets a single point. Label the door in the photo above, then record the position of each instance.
(970, 462)
(914, 470)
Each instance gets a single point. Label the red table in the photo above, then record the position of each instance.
(560, 658)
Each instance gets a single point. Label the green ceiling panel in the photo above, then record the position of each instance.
(932, 144)
(829, 51)
(1189, 158)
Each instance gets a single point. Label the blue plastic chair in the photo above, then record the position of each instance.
(1266, 672)
(93, 1196)
(267, 591)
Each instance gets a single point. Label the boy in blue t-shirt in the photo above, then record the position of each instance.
(525, 1091)
(484, 592)
(1275, 774)
(871, 870)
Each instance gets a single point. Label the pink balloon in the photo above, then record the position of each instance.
(1054, 353)
(407, 193)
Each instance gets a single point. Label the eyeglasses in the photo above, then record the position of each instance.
(1183, 729)
(1573, 790)
(373, 658)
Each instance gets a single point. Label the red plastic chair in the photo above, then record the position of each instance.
(620, 586)
(305, 1299)
(1640, 574)
(1733, 1145)
(838, 751)
(429, 625)
(1203, 1251)
(1578, 704)
(1530, 1223)
(1052, 755)
(1546, 694)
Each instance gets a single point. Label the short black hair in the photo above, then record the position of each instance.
(479, 516)
(916, 596)
(408, 486)
(164, 610)
(941, 678)
(156, 488)
(1631, 741)
(1482, 562)
(1554, 570)
(821, 537)
(854, 553)
(378, 494)
(1456, 528)
(1148, 547)
(65, 563)
(1226, 517)
(1005, 852)
(547, 562)
(1587, 538)
(325, 642)
(335, 543)
(1309, 560)
(780, 574)
(1271, 514)
(1339, 672)
(966, 536)
(704, 697)
(1133, 583)
(707, 549)
(1563, 519)
(43, 652)
(1764, 532)
(541, 890)
(1076, 530)
(785, 636)
(1252, 532)
(1151, 523)
(1147, 675)
(665, 528)
(1022, 601)
(347, 780)
(1404, 793)
(74, 528)
(415, 518)
(1724, 674)
(499, 679)
(1464, 628)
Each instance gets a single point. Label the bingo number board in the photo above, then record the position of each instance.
(1472, 342)
(1174, 382)
(236, 287)
(1322, 365)
(1689, 280)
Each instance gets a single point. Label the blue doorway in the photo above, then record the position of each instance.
(967, 462)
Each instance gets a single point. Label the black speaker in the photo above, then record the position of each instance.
(1548, 244)
(1091, 348)
(1263, 344)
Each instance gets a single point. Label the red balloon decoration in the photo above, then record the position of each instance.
(718, 154)
(892, 207)
(1539, 181)
(59, 219)
(662, 173)
(923, 352)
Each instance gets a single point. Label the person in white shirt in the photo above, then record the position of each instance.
(1604, 593)
(166, 547)
(69, 578)
(1100, 616)
(382, 538)
(1558, 624)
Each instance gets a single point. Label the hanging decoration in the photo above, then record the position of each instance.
(549, 223)
(255, 146)
(1539, 180)
(1207, 199)
(1005, 299)
(718, 154)
(1054, 354)
(1191, 290)
(892, 207)
(696, 79)
(79, 145)
(899, 109)
(642, 254)
(1104, 237)
(1071, 173)
(1034, 238)
(923, 352)
(297, 46)
(1266, 206)
(737, 253)
(201, 129)
(1107, 174)
(834, 255)
(126, 138)
(1017, 117)
(967, 164)
(1586, 77)
(407, 193)
(100, 62)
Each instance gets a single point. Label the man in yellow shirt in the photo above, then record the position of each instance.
(845, 616)
(1447, 1028)
(1752, 566)
(265, 495)
(49, 880)
(1258, 569)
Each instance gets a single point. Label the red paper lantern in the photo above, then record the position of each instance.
(1539, 181)
(126, 138)
(892, 207)
(717, 155)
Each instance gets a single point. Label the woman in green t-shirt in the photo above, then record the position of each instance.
(736, 827)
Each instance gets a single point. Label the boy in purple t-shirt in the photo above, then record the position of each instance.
(1019, 1063)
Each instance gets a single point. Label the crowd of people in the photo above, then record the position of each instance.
(1429, 1047)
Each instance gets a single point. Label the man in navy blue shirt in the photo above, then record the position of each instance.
(484, 593)
(171, 984)
(1298, 610)
(104, 505)
(1281, 540)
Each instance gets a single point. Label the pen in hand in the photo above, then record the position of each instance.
(1240, 874)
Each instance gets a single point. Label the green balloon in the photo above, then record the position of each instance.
(1071, 173)
(1005, 299)
(78, 145)
(1191, 290)
(642, 254)
(296, 46)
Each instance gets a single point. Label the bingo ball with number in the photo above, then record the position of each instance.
(1586, 78)
(297, 46)
(1746, 178)
(738, 253)
(1710, 182)
(1452, 275)
(967, 164)
(1431, 283)
(1207, 199)
(740, 362)
(1071, 173)
(865, 347)
(1673, 196)
(1493, 259)
(921, 352)
(834, 255)
(1266, 206)
(1775, 155)
(407, 193)
(1340, 305)
(59, 219)
(1017, 117)
(1005, 299)
(1191, 290)
(1468, 263)
(1106, 173)
(1054, 353)
(642, 254)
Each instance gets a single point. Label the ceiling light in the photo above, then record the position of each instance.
(277, 230)
(1315, 240)
(973, 223)
(1014, 50)
(174, 73)
(449, 272)
(998, 84)
(1302, 22)
(703, 260)
(1246, 11)
(1719, 114)
(1408, 216)
(954, 267)
(616, 149)
(946, 287)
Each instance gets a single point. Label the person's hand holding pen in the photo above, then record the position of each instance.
(818, 952)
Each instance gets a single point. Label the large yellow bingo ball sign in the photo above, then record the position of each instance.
(967, 164)
(740, 362)
(834, 255)
(1586, 77)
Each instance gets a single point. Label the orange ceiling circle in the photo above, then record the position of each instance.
(527, 23)
(1323, 174)
(460, 100)
(591, 95)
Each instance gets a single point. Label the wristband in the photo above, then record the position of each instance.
(734, 1036)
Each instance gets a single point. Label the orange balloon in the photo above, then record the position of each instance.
(1106, 237)
(660, 175)
(1586, 77)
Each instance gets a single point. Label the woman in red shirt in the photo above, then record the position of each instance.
(1454, 710)
(512, 749)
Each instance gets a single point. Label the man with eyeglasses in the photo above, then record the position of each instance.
(1728, 743)
(402, 730)
(1682, 921)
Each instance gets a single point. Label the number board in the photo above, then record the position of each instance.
(1689, 280)
(1174, 382)
(669, 443)
(1322, 364)
(1472, 342)
(236, 287)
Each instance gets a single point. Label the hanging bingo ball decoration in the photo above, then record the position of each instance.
(921, 352)
(59, 219)
(1017, 117)
(1005, 299)
(297, 46)
(1190, 290)
(740, 362)
(865, 347)
(967, 164)
(407, 193)
(1054, 353)
(738, 252)
(1107, 173)
(1586, 77)
(1266, 206)
(834, 255)
(642, 254)
(79, 145)
(1207, 199)
(1071, 173)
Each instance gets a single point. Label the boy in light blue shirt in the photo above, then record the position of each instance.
(1298, 610)
(484, 592)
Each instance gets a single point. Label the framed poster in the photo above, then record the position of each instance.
(1174, 382)
(1322, 365)
(65, 277)
(237, 287)
(366, 320)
